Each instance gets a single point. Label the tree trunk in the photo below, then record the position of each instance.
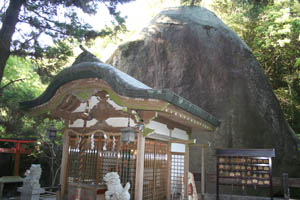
(7, 30)
(192, 3)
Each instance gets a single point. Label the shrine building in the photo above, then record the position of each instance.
(115, 123)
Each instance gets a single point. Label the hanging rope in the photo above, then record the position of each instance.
(81, 158)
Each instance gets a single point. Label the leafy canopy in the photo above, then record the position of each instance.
(13, 122)
(47, 30)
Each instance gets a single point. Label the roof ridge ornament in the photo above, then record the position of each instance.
(86, 56)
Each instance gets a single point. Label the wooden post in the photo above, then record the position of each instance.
(186, 170)
(154, 173)
(285, 184)
(139, 173)
(17, 159)
(203, 170)
(217, 181)
(169, 172)
(271, 179)
(118, 152)
(203, 173)
(1, 189)
(99, 160)
(64, 165)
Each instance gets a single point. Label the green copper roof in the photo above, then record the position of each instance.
(121, 83)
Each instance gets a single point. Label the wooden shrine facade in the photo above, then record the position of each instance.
(93, 155)
(96, 102)
(102, 154)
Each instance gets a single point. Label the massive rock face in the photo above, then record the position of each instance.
(193, 53)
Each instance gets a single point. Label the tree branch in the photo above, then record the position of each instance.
(4, 6)
(25, 21)
(23, 53)
(10, 82)
(45, 18)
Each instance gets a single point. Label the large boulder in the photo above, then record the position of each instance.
(193, 53)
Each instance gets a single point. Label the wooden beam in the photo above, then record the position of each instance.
(183, 141)
(200, 145)
(64, 165)
(171, 124)
(185, 118)
(147, 116)
(139, 173)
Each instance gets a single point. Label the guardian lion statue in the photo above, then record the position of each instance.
(115, 191)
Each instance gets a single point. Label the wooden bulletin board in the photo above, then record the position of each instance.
(245, 168)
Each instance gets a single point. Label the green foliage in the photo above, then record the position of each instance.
(53, 59)
(297, 64)
(49, 30)
(13, 122)
(272, 31)
(16, 124)
(277, 47)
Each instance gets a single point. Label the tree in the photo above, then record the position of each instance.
(271, 30)
(57, 20)
(14, 123)
(277, 47)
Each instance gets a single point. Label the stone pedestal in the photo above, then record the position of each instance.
(30, 194)
(8, 179)
(31, 189)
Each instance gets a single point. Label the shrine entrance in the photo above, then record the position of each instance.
(93, 155)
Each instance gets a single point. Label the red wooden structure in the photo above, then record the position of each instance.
(18, 150)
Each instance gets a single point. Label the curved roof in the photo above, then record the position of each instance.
(121, 83)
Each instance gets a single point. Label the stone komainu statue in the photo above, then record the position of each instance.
(115, 191)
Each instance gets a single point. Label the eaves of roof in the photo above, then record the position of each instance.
(121, 83)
